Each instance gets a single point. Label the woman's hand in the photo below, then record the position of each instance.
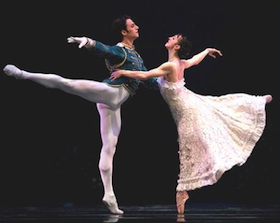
(212, 51)
(116, 74)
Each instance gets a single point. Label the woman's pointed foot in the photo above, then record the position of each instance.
(181, 198)
(268, 98)
(111, 203)
(181, 218)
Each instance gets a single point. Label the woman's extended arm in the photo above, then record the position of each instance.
(162, 70)
(196, 59)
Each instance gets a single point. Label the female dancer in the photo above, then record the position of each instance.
(215, 132)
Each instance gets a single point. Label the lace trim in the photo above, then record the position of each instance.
(171, 85)
(213, 176)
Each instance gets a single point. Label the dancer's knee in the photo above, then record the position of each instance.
(106, 160)
(105, 166)
(55, 81)
(67, 85)
(109, 148)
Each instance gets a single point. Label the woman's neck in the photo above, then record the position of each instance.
(172, 56)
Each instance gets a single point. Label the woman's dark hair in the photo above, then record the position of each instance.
(118, 25)
(185, 46)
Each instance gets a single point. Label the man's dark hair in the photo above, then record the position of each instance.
(185, 46)
(118, 25)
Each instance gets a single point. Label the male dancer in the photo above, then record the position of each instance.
(109, 94)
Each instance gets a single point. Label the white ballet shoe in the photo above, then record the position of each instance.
(13, 71)
(111, 204)
(113, 218)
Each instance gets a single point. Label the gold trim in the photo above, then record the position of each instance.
(113, 67)
(135, 58)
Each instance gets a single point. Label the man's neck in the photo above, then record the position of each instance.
(128, 43)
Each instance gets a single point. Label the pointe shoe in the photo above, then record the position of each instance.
(13, 71)
(111, 204)
(268, 98)
(181, 218)
(181, 198)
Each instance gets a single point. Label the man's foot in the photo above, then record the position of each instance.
(13, 71)
(113, 218)
(268, 98)
(111, 204)
(181, 198)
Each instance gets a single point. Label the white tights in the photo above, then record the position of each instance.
(109, 101)
(90, 90)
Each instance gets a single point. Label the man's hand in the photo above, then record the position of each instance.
(82, 41)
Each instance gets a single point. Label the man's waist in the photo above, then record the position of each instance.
(129, 83)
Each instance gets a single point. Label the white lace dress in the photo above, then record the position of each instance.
(215, 132)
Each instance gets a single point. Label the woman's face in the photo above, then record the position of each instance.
(172, 41)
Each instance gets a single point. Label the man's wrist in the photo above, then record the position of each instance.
(90, 43)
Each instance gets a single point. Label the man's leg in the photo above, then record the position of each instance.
(93, 91)
(109, 99)
(110, 124)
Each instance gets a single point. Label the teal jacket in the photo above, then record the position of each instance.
(125, 58)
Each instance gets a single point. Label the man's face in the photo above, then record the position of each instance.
(132, 29)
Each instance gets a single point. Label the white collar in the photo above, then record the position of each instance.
(120, 44)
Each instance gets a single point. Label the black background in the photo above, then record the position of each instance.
(50, 140)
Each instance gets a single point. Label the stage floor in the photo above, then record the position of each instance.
(195, 213)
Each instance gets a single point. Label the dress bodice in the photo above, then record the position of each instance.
(170, 85)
